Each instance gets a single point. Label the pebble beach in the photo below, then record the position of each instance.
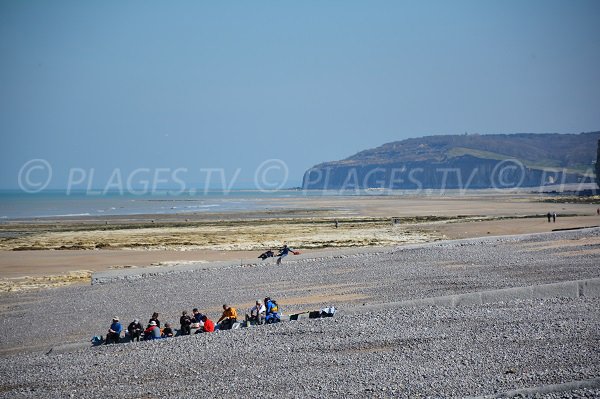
(373, 347)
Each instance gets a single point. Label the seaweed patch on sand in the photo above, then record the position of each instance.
(33, 283)
(238, 235)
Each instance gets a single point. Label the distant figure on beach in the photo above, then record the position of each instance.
(283, 252)
(257, 313)
(135, 330)
(598, 211)
(167, 331)
(549, 215)
(152, 331)
(554, 217)
(114, 331)
(336, 223)
(154, 318)
(266, 254)
(228, 318)
(185, 323)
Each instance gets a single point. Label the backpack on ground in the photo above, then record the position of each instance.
(328, 312)
(97, 340)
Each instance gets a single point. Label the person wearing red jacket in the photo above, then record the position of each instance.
(209, 325)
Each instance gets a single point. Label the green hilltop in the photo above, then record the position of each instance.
(572, 155)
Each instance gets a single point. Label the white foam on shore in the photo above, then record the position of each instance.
(65, 215)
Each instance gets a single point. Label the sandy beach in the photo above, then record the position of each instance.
(57, 251)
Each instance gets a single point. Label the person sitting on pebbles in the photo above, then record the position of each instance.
(207, 325)
(257, 313)
(154, 318)
(135, 330)
(228, 318)
(114, 331)
(152, 331)
(167, 331)
(197, 317)
(272, 314)
(185, 323)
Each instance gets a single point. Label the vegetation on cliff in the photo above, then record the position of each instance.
(537, 159)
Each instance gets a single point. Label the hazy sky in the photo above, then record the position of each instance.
(230, 84)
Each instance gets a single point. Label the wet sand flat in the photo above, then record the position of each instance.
(55, 247)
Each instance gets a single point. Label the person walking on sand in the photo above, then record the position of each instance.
(549, 215)
(554, 217)
(283, 252)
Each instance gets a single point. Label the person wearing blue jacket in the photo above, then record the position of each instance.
(272, 314)
(114, 332)
(283, 252)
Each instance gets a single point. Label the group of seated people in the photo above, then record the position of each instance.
(265, 312)
(201, 323)
(262, 312)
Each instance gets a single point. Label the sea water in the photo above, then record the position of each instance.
(16, 204)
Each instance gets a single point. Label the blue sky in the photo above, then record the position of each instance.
(196, 85)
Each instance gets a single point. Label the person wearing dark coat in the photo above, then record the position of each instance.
(135, 330)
